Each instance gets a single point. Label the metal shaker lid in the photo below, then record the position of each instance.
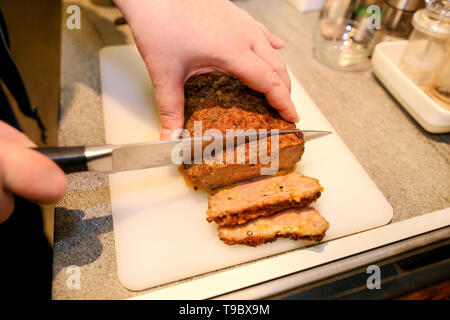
(406, 5)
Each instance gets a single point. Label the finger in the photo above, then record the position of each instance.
(271, 57)
(11, 134)
(274, 41)
(29, 174)
(170, 100)
(258, 75)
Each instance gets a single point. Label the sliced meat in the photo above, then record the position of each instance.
(245, 201)
(221, 101)
(293, 223)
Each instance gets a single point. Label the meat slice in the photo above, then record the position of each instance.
(221, 101)
(293, 223)
(262, 197)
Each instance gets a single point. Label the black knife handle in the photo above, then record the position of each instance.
(69, 159)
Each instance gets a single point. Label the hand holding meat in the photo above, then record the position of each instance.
(25, 172)
(180, 38)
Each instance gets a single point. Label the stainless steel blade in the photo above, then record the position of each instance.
(309, 135)
(142, 156)
(162, 153)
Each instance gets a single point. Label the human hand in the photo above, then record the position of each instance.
(26, 172)
(178, 39)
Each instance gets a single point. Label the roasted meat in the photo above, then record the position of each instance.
(221, 101)
(250, 207)
(293, 223)
(210, 175)
(261, 197)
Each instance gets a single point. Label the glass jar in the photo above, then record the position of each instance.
(339, 9)
(338, 45)
(428, 45)
(440, 87)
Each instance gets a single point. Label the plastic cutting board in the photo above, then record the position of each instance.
(160, 228)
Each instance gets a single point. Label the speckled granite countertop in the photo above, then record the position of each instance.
(410, 166)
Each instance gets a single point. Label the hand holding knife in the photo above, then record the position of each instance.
(114, 158)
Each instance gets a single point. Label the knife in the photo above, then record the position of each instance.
(111, 158)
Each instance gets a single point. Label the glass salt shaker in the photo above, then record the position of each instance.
(440, 87)
(428, 46)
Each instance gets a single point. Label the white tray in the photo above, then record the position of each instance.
(432, 116)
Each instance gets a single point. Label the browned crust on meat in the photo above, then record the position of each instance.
(221, 101)
(258, 211)
(205, 176)
(254, 241)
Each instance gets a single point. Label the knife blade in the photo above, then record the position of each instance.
(114, 158)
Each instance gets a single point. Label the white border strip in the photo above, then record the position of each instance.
(301, 259)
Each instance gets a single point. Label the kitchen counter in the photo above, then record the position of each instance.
(409, 166)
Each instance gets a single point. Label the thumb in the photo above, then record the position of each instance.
(28, 174)
(170, 100)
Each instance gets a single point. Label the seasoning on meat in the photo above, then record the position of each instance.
(211, 175)
(293, 223)
(252, 209)
(262, 197)
(221, 101)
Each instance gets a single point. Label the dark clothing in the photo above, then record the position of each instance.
(25, 254)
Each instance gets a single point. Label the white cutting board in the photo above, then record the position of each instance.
(160, 228)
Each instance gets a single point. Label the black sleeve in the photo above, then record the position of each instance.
(10, 75)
